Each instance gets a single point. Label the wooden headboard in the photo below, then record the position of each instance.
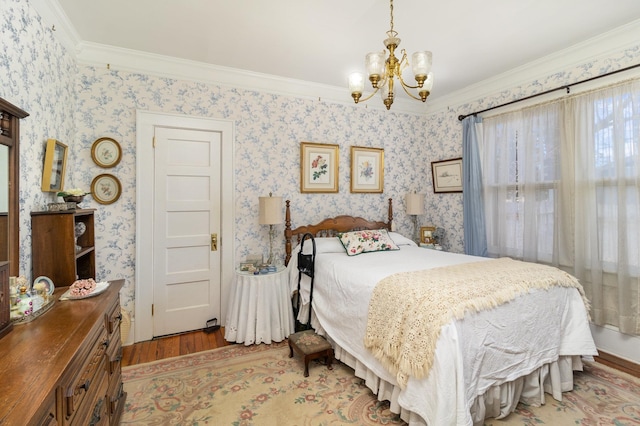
(330, 227)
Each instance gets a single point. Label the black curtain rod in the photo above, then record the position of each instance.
(565, 87)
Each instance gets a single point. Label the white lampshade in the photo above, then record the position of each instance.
(415, 204)
(270, 210)
(421, 63)
(356, 82)
(375, 63)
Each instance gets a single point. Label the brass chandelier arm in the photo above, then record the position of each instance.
(360, 99)
(407, 86)
(409, 93)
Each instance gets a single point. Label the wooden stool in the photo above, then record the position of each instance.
(311, 346)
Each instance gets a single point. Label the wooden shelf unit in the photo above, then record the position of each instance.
(53, 251)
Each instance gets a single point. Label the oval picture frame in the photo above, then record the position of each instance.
(106, 152)
(49, 287)
(106, 188)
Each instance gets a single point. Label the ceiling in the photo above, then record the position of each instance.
(323, 41)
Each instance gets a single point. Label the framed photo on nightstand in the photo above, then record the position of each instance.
(426, 234)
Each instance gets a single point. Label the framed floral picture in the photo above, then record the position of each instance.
(447, 175)
(106, 189)
(367, 169)
(106, 152)
(318, 167)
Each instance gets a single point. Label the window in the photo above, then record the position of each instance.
(562, 186)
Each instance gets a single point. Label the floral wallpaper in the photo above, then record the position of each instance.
(38, 75)
(78, 104)
(268, 132)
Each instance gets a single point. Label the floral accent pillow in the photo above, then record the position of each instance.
(366, 241)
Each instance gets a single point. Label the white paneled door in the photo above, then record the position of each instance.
(186, 256)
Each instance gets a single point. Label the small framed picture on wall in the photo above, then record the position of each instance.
(447, 175)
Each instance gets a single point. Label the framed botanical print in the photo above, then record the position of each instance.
(318, 167)
(367, 169)
(55, 163)
(106, 189)
(447, 175)
(106, 152)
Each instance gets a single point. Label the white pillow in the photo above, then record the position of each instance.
(401, 240)
(323, 245)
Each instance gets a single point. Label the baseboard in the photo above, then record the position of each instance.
(618, 363)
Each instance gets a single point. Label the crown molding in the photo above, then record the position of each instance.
(135, 61)
(596, 48)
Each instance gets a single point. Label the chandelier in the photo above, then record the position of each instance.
(383, 72)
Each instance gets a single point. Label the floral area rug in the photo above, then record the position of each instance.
(254, 385)
(260, 385)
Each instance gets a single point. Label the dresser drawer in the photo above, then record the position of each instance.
(89, 376)
(98, 405)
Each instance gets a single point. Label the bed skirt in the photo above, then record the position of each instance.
(553, 378)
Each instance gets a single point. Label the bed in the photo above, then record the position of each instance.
(483, 361)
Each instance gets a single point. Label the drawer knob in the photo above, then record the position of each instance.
(97, 413)
(85, 385)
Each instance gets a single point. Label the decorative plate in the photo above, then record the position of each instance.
(100, 288)
(106, 189)
(106, 152)
(46, 282)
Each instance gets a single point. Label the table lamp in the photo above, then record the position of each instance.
(415, 207)
(270, 214)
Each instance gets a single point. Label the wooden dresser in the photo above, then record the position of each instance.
(63, 368)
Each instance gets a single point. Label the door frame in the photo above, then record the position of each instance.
(146, 122)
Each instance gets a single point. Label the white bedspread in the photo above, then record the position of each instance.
(483, 350)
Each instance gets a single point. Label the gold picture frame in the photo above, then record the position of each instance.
(426, 234)
(367, 169)
(318, 167)
(106, 152)
(447, 175)
(55, 164)
(106, 188)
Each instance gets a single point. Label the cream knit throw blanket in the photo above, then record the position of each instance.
(408, 309)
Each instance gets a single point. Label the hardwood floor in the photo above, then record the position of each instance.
(169, 346)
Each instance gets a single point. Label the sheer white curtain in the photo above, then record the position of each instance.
(562, 187)
(523, 160)
(607, 199)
